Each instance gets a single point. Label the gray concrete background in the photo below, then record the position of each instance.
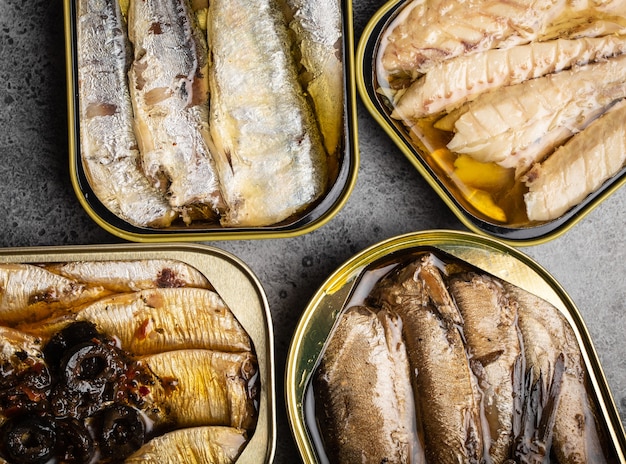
(38, 206)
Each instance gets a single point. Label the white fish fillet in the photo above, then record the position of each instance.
(318, 30)
(193, 445)
(578, 168)
(438, 30)
(270, 157)
(453, 82)
(500, 126)
(169, 94)
(108, 145)
(132, 275)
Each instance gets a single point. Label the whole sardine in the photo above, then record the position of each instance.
(546, 337)
(108, 145)
(577, 168)
(193, 445)
(363, 394)
(270, 156)
(168, 85)
(190, 388)
(445, 389)
(155, 320)
(132, 275)
(29, 293)
(453, 82)
(493, 345)
(499, 126)
(318, 31)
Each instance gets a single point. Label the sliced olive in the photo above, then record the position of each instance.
(68, 337)
(122, 431)
(89, 367)
(75, 444)
(29, 439)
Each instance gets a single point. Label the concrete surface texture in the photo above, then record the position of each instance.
(38, 206)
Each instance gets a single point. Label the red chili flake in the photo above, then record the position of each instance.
(144, 391)
(142, 331)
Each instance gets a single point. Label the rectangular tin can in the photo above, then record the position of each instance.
(349, 284)
(473, 206)
(322, 211)
(233, 281)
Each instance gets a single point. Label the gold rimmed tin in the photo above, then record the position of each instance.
(474, 207)
(319, 214)
(344, 286)
(233, 281)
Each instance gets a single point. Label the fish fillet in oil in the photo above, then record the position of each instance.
(363, 395)
(445, 389)
(270, 156)
(168, 85)
(193, 445)
(201, 387)
(499, 126)
(132, 275)
(453, 82)
(318, 30)
(494, 348)
(108, 145)
(155, 320)
(432, 31)
(29, 293)
(547, 336)
(577, 168)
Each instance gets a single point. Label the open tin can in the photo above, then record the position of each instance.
(352, 286)
(203, 223)
(193, 268)
(486, 197)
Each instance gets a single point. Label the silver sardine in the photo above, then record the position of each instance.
(270, 156)
(108, 145)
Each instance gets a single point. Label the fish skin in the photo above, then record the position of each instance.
(492, 341)
(450, 415)
(108, 145)
(363, 396)
(168, 85)
(318, 31)
(270, 156)
(546, 335)
(14, 342)
(453, 82)
(29, 293)
(577, 168)
(132, 275)
(498, 126)
(191, 388)
(193, 445)
(155, 320)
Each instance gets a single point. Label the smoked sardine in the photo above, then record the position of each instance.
(364, 398)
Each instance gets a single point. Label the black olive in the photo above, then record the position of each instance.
(68, 337)
(75, 444)
(89, 367)
(122, 431)
(29, 439)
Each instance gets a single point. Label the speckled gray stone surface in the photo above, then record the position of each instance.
(38, 206)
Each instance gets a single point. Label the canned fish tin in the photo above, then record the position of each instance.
(174, 343)
(273, 151)
(447, 344)
(488, 119)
